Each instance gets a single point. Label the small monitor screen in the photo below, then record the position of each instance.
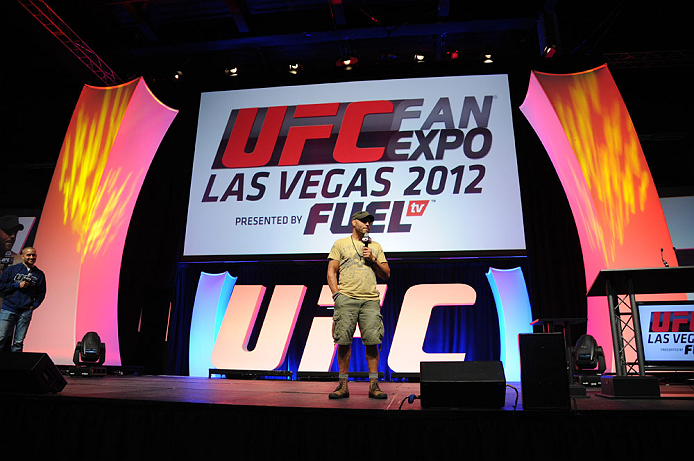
(667, 330)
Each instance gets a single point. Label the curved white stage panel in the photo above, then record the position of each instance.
(110, 142)
(586, 129)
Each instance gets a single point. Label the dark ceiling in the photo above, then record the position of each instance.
(650, 53)
(260, 36)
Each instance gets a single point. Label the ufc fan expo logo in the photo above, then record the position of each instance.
(364, 132)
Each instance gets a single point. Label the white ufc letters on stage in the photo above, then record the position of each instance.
(224, 316)
(231, 347)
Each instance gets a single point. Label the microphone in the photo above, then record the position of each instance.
(663, 258)
(366, 239)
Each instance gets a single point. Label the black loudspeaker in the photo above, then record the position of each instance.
(544, 371)
(462, 384)
(29, 373)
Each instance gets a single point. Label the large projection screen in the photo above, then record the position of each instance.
(279, 171)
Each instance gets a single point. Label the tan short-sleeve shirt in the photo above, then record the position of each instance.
(356, 278)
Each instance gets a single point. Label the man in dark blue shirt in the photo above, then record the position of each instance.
(24, 287)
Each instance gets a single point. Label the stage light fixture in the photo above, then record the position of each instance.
(418, 57)
(587, 354)
(90, 351)
(231, 71)
(587, 361)
(89, 356)
(487, 59)
(295, 68)
(178, 75)
(347, 63)
(549, 51)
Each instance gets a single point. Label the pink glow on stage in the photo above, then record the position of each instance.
(110, 142)
(585, 127)
(407, 349)
(231, 348)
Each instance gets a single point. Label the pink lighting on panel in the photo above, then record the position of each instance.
(585, 127)
(110, 142)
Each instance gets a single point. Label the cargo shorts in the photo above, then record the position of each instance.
(348, 312)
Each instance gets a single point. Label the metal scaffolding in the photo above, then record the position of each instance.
(60, 30)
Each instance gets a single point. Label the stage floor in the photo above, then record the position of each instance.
(173, 417)
(314, 394)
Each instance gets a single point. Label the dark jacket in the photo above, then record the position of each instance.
(20, 299)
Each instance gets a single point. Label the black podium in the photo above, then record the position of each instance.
(622, 284)
(618, 284)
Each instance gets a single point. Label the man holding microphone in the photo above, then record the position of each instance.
(353, 264)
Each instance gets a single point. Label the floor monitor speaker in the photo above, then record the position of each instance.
(544, 371)
(462, 384)
(30, 373)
